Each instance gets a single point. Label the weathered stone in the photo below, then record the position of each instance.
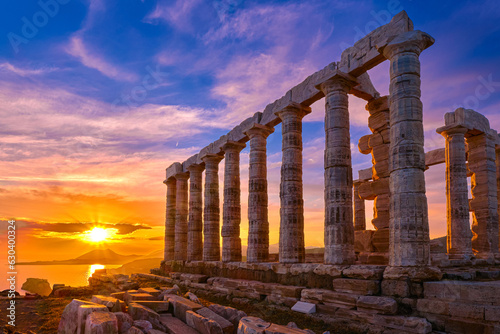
(118, 295)
(113, 304)
(192, 297)
(303, 307)
(143, 325)
(141, 312)
(130, 297)
(356, 286)
(396, 287)
(252, 325)
(84, 311)
(229, 313)
(170, 219)
(404, 324)
(202, 324)
(69, 318)
(181, 217)
(384, 305)
(176, 326)
(134, 330)
(38, 286)
(155, 305)
(182, 305)
(364, 272)
(359, 211)
(125, 321)
(101, 323)
(152, 291)
(278, 329)
(414, 273)
(195, 218)
(226, 325)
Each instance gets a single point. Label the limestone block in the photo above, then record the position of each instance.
(366, 272)
(152, 291)
(435, 157)
(143, 325)
(365, 174)
(375, 304)
(182, 305)
(69, 318)
(125, 321)
(130, 297)
(356, 286)
(278, 329)
(426, 273)
(303, 307)
(155, 305)
(378, 121)
(252, 325)
(381, 240)
(363, 144)
(492, 313)
(101, 323)
(118, 295)
(229, 313)
(395, 288)
(363, 241)
(340, 299)
(84, 311)
(113, 304)
(403, 323)
(379, 138)
(202, 324)
(134, 330)
(334, 271)
(176, 326)
(140, 312)
(226, 325)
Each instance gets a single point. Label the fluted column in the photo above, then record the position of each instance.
(457, 195)
(291, 244)
(211, 214)
(339, 229)
(409, 225)
(359, 209)
(258, 229)
(497, 151)
(169, 250)
(181, 216)
(231, 215)
(195, 222)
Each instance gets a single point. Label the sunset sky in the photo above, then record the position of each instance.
(99, 97)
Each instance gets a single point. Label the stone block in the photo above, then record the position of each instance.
(334, 271)
(278, 329)
(226, 325)
(366, 272)
(356, 286)
(113, 304)
(130, 297)
(363, 146)
(363, 241)
(403, 323)
(176, 326)
(118, 295)
(152, 291)
(143, 325)
(492, 313)
(202, 324)
(457, 325)
(375, 304)
(134, 330)
(339, 299)
(182, 305)
(303, 307)
(141, 312)
(396, 288)
(83, 313)
(125, 321)
(252, 325)
(469, 311)
(101, 323)
(69, 317)
(229, 313)
(155, 305)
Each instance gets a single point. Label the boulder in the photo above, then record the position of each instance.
(37, 285)
(101, 323)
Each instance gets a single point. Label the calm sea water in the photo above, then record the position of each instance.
(72, 275)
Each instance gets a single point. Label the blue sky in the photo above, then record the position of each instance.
(99, 97)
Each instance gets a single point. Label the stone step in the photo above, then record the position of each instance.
(176, 326)
(482, 293)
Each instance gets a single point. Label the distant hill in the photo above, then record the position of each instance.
(137, 266)
(96, 256)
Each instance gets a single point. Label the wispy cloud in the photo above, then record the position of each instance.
(25, 72)
(178, 15)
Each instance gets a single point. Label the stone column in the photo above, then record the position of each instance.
(497, 151)
(170, 220)
(195, 223)
(258, 229)
(181, 216)
(457, 195)
(231, 215)
(484, 203)
(339, 229)
(409, 225)
(359, 209)
(292, 248)
(211, 214)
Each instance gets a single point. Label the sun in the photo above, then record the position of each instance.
(98, 234)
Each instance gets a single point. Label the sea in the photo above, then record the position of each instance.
(71, 275)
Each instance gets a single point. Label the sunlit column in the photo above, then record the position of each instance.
(339, 229)
(211, 214)
(258, 229)
(181, 217)
(170, 220)
(409, 224)
(359, 209)
(291, 244)
(457, 194)
(195, 223)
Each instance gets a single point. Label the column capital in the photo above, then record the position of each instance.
(339, 81)
(293, 109)
(196, 168)
(447, 131)
(412, 41)
(233, 146)
(170, 181)
(258, 130)
(212, 158)
(182, 176)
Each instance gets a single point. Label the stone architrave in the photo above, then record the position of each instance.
(457, 194)
(291, 240)
(484, 203)
(359, 209)
(409, 225)
(231, 215)
(170, 220)
(195, 222)
(258, 229)
(339, 229)
(181, 217)
(211, 214)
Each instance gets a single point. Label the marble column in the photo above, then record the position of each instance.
(457, 195)
(181, 216)
(170, 220)
(258, 229)
(409, 226)
(484, 203)
(497, 151)
(211, 214)
(291, 242)
(231, 214)
(195, 223)
(359, 209)
(339, 229)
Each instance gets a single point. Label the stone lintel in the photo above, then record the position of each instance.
(467, 118)
(238, 133)
(190, 161)
(172, 170)
(435, 157)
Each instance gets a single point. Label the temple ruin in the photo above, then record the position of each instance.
(385, 278)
